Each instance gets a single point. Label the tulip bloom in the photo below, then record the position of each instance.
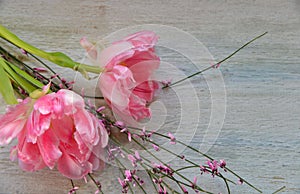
(54, 130)
(126, 81)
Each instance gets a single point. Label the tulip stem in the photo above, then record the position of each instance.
(216, 64)
(73, 186)
(278, 190)
(97, 183)
(57, 58)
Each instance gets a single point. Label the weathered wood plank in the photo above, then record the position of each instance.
(260, 135)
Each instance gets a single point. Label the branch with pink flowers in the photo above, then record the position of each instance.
(56, 127)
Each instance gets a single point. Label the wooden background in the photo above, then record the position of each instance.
(260, 137)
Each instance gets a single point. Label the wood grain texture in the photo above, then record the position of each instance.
(261, 131)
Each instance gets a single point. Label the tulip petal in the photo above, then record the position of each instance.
(89, 47)
(85, 127)
(71, 167)
(13, 121)
(9, 131)
(125, 83)
(115, 54)
(146, 90)
(29, 157)
(146, 38)
(63, 128)
(36, 125)
(48, 145)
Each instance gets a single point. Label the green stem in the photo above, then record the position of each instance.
(226, 183)
(55, 57)
(119, 163)
(95, 182)
(21, 65)
(151, 178)
(137, 182)
(144, 165)
(180, 175)
(278, 190)
(197, 151)
(73, 186)
(189, 161)
(218, 63)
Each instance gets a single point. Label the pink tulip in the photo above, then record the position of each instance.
(54, 130)
(126, 81)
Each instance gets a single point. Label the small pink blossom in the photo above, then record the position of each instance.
(144, 135)
(126, 81)
(23, 52)
(100, 109)
(129, 136)
(54, 130)
(54, 76)
(172, 138)
(155, 147)
(162, 190)
(213, 165)
(128, 175)
(124, 185)
(222, 164)
(203, 169)
(137, 156)
(240, 181)
(215, 65)
(120, 124)
(132, 159)
(73, 190)
(194, 184)
(166, 169)
(166, 83)
(184, 190)
(40, 69)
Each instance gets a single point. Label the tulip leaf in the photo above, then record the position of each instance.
(21, 81)
(6, 88)
(55, 57)
(26, 76)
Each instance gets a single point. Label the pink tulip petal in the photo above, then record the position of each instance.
(54, 129)
(44, 104)
(30, 158)
(48, 145)
(13, 121)
(85, 127)
(71, 101)
(9, 131)
(138, 109)
(146, 90)
(125, 83)
(104, 136)
(71, 167)
(148, 57)
(115, 54)
(36, 125)
(89, 47)
(148, 38)
(13, 153)
(63, 130)
(117, 91)
(81, 150)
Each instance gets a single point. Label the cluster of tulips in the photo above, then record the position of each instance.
(56, 127)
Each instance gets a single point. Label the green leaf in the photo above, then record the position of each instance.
(22, 82)
(56, 57)
(6, 88)
(26, 76)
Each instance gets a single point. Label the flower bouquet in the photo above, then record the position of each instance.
(60, 128)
